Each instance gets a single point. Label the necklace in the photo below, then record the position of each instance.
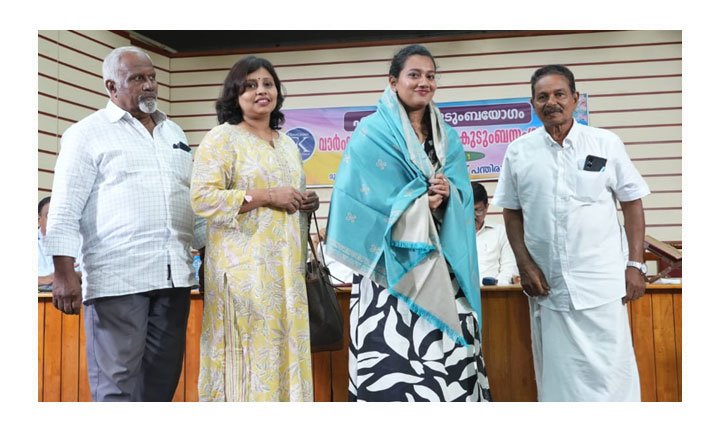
(266, 135)
(419, 123)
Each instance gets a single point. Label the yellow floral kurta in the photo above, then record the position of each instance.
(255, 342)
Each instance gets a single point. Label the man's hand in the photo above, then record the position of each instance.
(315, 240)
(533, 280)
(634, 284)
(46, 280)
(634, 217)
(67, 293)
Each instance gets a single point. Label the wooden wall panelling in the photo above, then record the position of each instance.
(639, 118)
(46, 161)
(665, 356)
(45, 180)
(339, 359)
(52, 371)
(47, 86)
(496, 346)
(192, 351)
(653, 134)
(322, 376)
(48, 67)
(649, 148)
(89, 50)
(83, 383)
(618, 84)
(74, 111)
(638, 71)
(89, 101)
(637, 101)
(41, 346)
(656, 324)
(47, 48)
(665, 232)
(644, 346)
(677, 313)
(70, 362)
(522, 375)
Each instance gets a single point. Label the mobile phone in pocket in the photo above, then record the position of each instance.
(594, 163)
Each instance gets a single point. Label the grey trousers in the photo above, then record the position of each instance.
(135, 345)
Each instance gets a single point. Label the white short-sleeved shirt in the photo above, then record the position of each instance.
(572, 230)
(127, 193)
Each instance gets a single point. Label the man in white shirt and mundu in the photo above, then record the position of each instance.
(122, 184)
(558, 187)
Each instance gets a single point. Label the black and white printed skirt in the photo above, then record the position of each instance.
(396, 355)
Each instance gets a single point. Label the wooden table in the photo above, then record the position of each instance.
(655, 319)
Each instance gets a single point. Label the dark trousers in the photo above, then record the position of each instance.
(135, 345)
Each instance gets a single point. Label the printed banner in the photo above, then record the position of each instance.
(485, 128)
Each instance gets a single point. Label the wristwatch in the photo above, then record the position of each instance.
(638, 265)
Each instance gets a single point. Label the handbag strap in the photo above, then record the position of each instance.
(312, 246)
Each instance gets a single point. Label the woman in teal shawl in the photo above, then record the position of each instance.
(401, 217)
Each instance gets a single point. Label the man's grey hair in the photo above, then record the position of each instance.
(112, 61)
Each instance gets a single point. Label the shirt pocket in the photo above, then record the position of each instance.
(181, 164)
(589, 185)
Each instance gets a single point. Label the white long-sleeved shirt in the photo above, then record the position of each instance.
(127, 193)
(45, 261)
(495, 256)
(571, 226)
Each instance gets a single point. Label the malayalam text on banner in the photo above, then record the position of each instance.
(486, 128)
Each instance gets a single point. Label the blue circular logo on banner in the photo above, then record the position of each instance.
(304, 140)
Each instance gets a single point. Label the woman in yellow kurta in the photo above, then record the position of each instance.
(249, 183)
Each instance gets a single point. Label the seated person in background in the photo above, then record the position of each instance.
(339, 273)
(46, 269)
(495, 257)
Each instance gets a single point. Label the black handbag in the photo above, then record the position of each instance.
(326, 321)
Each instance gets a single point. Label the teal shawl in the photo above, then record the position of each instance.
(380, 224)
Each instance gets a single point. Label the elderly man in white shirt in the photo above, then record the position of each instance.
(495, 256)
(122, 184)
(579, 265)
